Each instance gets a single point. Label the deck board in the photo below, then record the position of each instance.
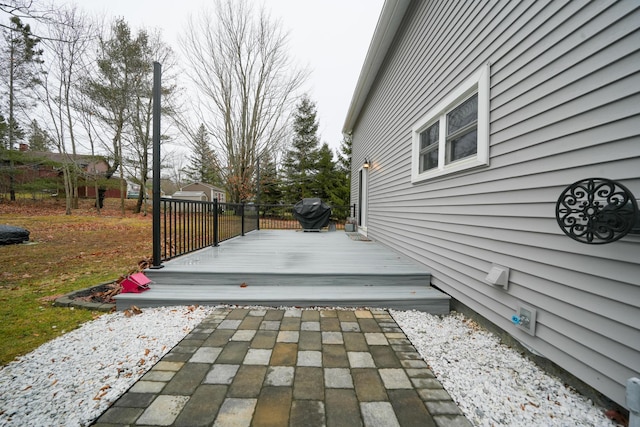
(289, 267)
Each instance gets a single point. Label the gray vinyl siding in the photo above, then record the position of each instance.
(564, 106)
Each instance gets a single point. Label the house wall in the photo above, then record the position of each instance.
(564, 106)
(211, 191)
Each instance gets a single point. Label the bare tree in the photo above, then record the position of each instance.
(247, 85)
(139, 137)
(70, 36)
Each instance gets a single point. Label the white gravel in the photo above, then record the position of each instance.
(493, 384)
(71, 380)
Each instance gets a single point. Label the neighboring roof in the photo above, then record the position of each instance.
(63, 157)
(188, 193)
(390, 19)
(213, 187)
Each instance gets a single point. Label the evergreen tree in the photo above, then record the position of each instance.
(330, 183)
(20, 58)
(203, 164)
(270, 183)
(344, 159)
(20, 73)
(122, 66)
(300, 162)
(39, 139)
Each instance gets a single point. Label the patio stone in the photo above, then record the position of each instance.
(247, 381)
(202, 407)
(163, 411)
(394, 379)
(329, 324)
(147, 387)
(308, 383)
(288, 336)
(309, 358)
(375, 338)
(284, 354)
(360, 359)
(264, 339)
(369, 386)
(270, 325)
(384, 357)
(378, 414)
(229, 324)
(350, 326)
(310, 326)
(409, 410)
(235, 412)
(233, 352)
(273, 407)
(187, 379)
(307, 413)
(342, 408)
(256, 356)
(244, 335)
(334, 356)
(221, 374)
(337, 378)
(280, 376)
(354, 341)
(290, 324)
(310, 340)
(332, 338)
(205, 355)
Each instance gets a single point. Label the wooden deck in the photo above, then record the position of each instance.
(293, 268)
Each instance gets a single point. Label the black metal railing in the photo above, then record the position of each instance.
(280, 217)
(187, 226)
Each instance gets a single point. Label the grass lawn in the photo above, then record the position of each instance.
(65, 253)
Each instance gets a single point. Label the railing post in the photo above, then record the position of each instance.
(258, 217)
(157, 72)
(215, 222)
(242, 217)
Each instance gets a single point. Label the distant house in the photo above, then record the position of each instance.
(198, 196)
(468, 121)
(44, 168)
(211, 192)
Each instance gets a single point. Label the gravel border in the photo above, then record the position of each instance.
(493, 384)
(74, 378)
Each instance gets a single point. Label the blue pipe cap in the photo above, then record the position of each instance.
(516, 319)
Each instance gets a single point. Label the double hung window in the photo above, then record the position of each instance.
(453, 136)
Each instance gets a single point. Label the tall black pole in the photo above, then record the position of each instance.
(258, 191)
(157, 72)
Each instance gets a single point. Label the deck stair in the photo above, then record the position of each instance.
(293, 268)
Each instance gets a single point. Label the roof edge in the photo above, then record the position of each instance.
(393, 12)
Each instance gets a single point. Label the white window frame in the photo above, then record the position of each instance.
(477, 83)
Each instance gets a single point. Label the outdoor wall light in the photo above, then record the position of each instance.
(366, 164)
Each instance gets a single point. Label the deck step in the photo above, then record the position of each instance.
(402, 297)
(191, 276)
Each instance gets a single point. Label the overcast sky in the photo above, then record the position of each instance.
(331, 37)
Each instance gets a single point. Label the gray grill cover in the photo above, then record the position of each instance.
(312, 214)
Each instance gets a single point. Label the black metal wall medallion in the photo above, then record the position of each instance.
(597, 211)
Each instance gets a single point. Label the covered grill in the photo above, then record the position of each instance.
(312, 214)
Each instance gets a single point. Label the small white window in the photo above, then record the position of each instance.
(454, 136)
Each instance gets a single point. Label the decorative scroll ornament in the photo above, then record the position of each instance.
(596, 211)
